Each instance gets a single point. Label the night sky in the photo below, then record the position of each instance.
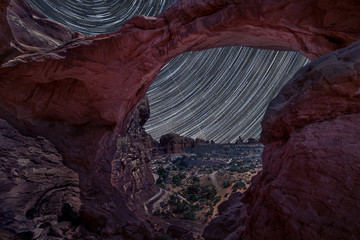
(218, 94)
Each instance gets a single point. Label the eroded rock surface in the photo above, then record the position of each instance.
(309, 187)
(39, 196)
(25, 30)
(173, 143)
(131, 172)
(110, 73)
(232, 215)
(311, 155)
(43, 199)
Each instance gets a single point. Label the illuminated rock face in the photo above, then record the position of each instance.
(80, 93)
(110, 73)
(309, 188)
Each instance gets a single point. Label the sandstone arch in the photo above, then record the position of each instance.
(78, 92)
(130, 58)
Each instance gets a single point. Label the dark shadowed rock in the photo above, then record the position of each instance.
(308, 188)
(39, 196)
(232, 215)
(252, 141)
(180, 233)
(176, 231)
(235, 198)
(199, 141)
(131, 172)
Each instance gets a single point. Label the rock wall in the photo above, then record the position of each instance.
(39, 196)
(79, 93)
(173, 143)
(309, 187)
(131, 172)
(25, 30)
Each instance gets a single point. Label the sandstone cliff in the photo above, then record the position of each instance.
(173, 143)
(39, 196)
(130, 169)
(79, 93)
(309, 187)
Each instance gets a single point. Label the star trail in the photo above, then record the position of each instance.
(217, 94)
(92, 17)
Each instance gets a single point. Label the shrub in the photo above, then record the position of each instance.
(160, 183)
(226, 184)
(210, 212)
(195, 179)
(239, 185)
(217, 199)
(182, 163)
(208, 192)
(157, 212)
(163, 174)
(189, 215)
(176, 180)
(187, 210)
(164, 237)
(173, 199)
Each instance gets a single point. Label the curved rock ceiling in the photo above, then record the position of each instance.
(218, 94)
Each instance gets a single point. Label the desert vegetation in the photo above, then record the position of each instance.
(203, 177)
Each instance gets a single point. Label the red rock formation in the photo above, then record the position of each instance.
(36, 189)
(25, 30)
(232, 215)
(80, 94)
(97, 67)
(173, 143)
(309, 187)
(130, 170)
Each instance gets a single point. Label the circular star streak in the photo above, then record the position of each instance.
(218, 94)
(98, 16)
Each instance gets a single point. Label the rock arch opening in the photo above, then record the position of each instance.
(218, 94)
(209, 95)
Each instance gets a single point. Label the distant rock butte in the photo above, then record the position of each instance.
(173, 143)
(81, 94)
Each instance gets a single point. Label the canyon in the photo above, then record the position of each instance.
(75, 158)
